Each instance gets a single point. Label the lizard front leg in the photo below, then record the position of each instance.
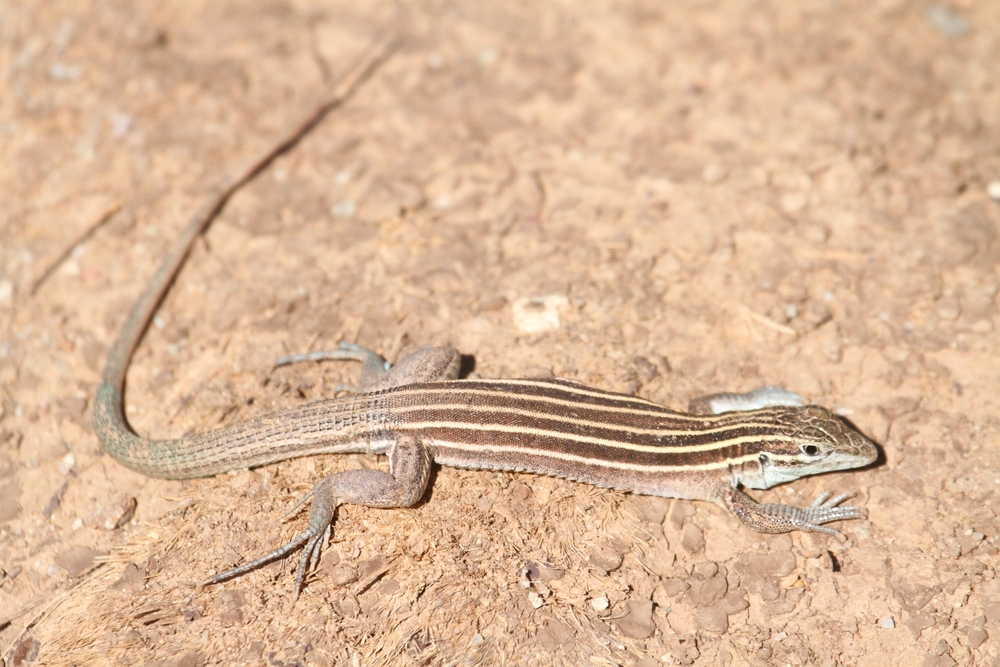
(778, 518)
(772, 517)
(409, 469)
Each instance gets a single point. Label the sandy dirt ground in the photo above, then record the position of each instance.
(670, 199)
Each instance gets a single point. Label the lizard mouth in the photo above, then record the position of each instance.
(863, 451)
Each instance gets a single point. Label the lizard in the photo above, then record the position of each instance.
(419, 413)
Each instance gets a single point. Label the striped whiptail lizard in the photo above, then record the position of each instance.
(419, 412)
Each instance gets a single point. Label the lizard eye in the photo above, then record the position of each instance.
(764, 460)
(809, 450)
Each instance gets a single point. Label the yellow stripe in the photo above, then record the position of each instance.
(588, 462)
(572, 386)
(613, 444)
(487, 409)
(660, 412)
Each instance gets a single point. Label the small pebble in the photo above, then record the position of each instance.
(947, 21)
(70, 267)
(535, 600)
(714, 173)
(793, 202)
(66, 463)
(601, 603)
(488, 56)
(64, 72)
(887, 623)
(121, 124)
(538, 314)
(115, 515)
(993, 190)
(344, 209)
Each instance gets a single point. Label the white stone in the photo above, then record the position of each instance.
(601, 603)
(538, 314)
(993, 190)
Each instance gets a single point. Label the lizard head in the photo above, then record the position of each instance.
(816, 441)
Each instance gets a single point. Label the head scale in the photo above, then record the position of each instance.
(817, 441)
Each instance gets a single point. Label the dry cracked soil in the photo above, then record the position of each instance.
(667, 199)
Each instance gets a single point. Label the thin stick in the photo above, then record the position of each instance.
(142, 313)
(768, 322)
(87, 233)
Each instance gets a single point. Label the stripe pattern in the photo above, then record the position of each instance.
(547, 426)
(555, 426)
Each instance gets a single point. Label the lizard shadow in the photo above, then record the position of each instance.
(466, 365)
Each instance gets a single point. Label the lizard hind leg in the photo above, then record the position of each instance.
(763, 397)
(429, 364)
(404, 484)
(778, 518)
